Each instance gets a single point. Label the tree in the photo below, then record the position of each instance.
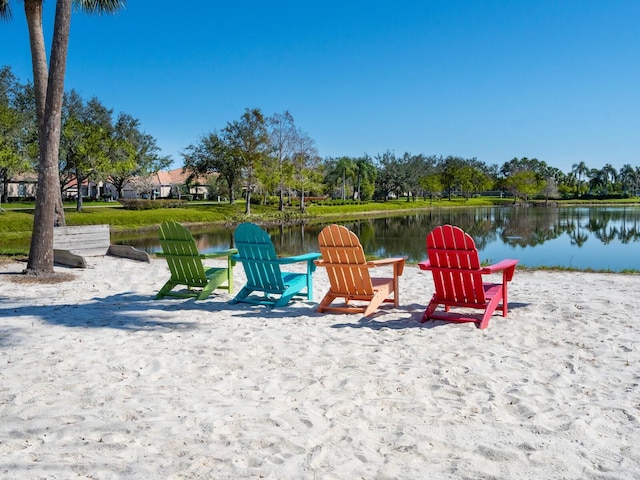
(470, 180)
(248, 142)
(579, 170)
(597, 181)
(283, 137)
(483, 177)
(602, 181)
(524, 184)
(133, 153)
(629, 177)
(33, 12)
(14, 131)
(413, 167)
(143, 186)
(236, 153)
(553, 179)
(451, 171)
(389, 178)
(611, 176)
(86, 141)
(431, 184)
(49, 87)
(41, 251)
(365, 173)
(213, 154)
(306, 161)
(524, 177)
(343, 169)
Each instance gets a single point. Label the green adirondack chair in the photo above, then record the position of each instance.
(185, 264)
(262, 267)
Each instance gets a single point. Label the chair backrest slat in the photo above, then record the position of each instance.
(181, 252)
(456, 273)
(345, 261)
(258, 257)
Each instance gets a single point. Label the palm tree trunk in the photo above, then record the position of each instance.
(33, 12)
(48, 191)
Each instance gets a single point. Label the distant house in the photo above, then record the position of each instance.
(88, 188)
(167, 180)
(166, 184)
(171, 183)
(22, 186)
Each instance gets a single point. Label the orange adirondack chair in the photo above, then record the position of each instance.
(457, 274)
(348, 271)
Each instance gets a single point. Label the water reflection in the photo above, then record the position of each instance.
(598, 238)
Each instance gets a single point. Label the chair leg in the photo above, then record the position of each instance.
(325, 302)
(242, 294)
(433, 304)
(285, 298)
(488, 312)
(504, 299)
(166, 288)
(230, 274)
(206, 291)
(396, 287)
(309, 285)
(375, 302)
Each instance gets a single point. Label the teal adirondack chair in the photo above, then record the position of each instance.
(185, 264)
(262, 267)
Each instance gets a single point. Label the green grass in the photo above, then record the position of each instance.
(19, 216)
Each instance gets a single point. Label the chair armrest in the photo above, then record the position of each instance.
(424, 265)
(387, 261)
(503, 265)
(222, 253)
(508, 266)
(390, 261)
(305, 257)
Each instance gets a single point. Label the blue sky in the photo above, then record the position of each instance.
(558, 80)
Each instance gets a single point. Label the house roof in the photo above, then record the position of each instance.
(168, 177)
(25, 177)
(176, 175)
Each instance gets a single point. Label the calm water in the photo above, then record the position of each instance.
(598, 238)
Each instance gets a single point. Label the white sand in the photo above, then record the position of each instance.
(98, 381)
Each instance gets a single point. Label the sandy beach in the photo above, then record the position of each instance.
(100, 381)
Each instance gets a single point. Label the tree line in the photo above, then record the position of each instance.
(267, 159)
(95, 144)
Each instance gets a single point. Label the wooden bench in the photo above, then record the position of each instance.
(72, 244)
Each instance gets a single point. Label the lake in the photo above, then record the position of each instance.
(600, 238)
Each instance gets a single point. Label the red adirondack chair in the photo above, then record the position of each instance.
(458, 278)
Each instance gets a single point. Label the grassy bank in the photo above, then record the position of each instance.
(16, 221)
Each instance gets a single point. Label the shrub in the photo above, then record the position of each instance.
(145, 204)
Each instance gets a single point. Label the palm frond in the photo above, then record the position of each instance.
(98, 6)
(5, 10)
